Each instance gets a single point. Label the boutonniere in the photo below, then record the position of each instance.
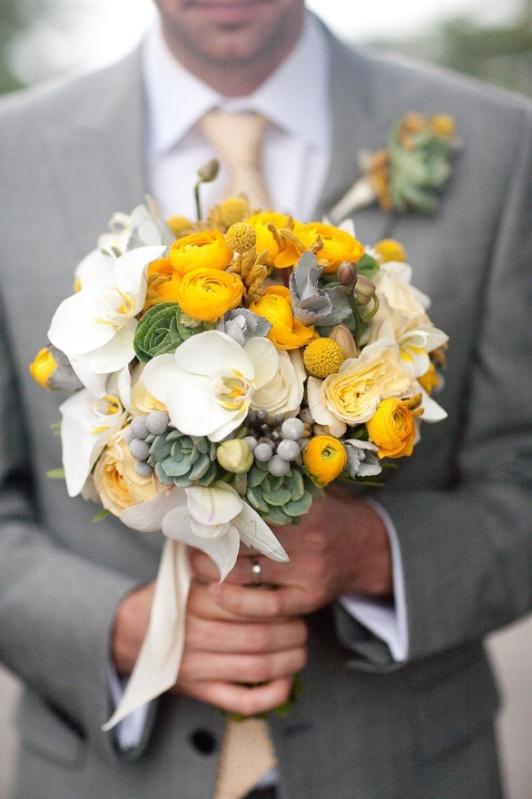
(409, 175)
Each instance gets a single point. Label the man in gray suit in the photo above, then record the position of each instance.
(369, 723)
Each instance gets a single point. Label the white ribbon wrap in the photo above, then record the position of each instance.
(215, 520)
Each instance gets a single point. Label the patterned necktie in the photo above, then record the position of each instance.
(237, 140)
(247, 755)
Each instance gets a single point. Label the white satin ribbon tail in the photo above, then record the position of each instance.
(158, 663)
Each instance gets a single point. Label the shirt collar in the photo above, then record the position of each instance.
(294, 97)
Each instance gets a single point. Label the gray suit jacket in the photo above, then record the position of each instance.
(363, 727)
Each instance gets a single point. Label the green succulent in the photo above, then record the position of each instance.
(182, 460)
(279, 500)
(162, 329)
(418, 174)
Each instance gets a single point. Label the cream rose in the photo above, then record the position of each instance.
(353, 394)
(284, 393)
(118, 484)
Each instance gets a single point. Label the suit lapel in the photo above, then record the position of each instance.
(357, 125)
(96, 160)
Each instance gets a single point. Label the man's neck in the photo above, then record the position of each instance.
(236, 79)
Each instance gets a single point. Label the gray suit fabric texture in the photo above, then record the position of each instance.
(365, 728)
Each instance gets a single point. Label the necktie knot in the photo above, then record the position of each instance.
(237, 139)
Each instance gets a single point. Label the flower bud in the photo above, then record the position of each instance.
(43, 367)
(346, 274)
(209, 171)
(342, 335)
(364, 290)
(235, 456)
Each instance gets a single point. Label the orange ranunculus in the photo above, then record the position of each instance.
(206, 249)
(287, 332)
(338, 245)
(325, 458)
(279, 255)
(207, 294)
(392, 428)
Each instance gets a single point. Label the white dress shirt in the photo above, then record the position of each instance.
(296, 156)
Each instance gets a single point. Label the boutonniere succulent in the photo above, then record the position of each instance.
(409, 175)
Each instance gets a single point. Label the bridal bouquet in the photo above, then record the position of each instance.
(221, 373)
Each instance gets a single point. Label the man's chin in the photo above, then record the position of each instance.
(228, 14)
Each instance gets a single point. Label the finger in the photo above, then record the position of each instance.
(227, 637)
(263, 604)
(272, 572)
(241, 668)
(238, 699)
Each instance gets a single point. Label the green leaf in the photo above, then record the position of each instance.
(299, 507)
(367, 266)
(277, 497)
(56, 474)
(102, 514)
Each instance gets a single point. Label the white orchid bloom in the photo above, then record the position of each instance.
(95, 326)
(87, 424)
(207, 385)
(214, 519)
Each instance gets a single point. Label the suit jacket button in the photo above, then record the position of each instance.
(203, 741)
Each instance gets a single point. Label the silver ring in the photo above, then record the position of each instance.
(256, 572)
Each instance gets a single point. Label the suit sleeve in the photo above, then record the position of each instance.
(56, 609)
(467, 551)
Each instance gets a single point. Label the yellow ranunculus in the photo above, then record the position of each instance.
(287, 332)
(162, 283)
(116, 480)
(207, 249)
(279, 255)
(42, 367)
(338, 245)
(207, 294)
(353, 394)
(325, 458)
(390, 250)
(392, 428)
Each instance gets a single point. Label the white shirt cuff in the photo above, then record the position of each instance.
(388, 621)
(128, 732)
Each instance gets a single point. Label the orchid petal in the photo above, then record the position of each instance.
(193, 409)
(95, 384)
(255, 533)
(432, 412)
(130, 272)
(213, 505)
(95, 270)
(117, 352)
(223, 551)
(212, 352)
(74, 329)
(149, 516)
(159, 374)
(84, 434)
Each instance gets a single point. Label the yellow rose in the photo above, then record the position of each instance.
(42, 367)
(279, 254)
(392, 428)
(118, 484)
(207, 294)
(207, 249)
(287, 332)
(325, 458)
(338, 245)
(353, 394)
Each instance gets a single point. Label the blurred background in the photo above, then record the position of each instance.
(491, 40)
